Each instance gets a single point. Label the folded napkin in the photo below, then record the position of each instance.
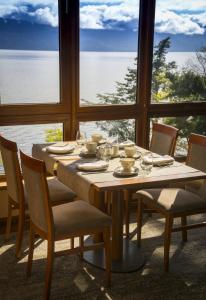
(93, 166)
(159, 160)
(127, 143)
(60, 148)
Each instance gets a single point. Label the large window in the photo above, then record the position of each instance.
(29, 52)
(179, 61)
(108, 52)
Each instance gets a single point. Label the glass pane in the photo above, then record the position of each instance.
(124, 129)
(29, 53)
(179, 62)
(27, 135)
(187, 125)
(108, 44)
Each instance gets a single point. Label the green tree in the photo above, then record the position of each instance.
(163, 73)
(54, 135)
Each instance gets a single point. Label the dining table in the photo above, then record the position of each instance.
(103, 186)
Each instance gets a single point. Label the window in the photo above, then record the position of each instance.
(179, 58)
(29, 52)
(108, 52)
(124, 129)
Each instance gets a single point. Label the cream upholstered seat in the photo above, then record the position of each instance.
(163, 142)
(17, 198)
(173, 200)
(176, 202)
(74, 219)
(75, 216)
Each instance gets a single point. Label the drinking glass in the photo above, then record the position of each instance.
(80, 138)
(146, 162)
(106, 152)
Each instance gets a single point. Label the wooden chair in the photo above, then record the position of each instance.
(17, 198)
(163, 142)
(61, 222)
(175, 202)
(164, 138)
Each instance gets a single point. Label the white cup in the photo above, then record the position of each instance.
(127, 163)
(91, 147)
(130, 151)
(96, 137)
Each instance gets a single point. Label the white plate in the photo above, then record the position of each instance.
(93, 166)
(120, 172)
(60, 148)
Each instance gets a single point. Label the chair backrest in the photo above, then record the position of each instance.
(163, 139)
(34, 174)
(9, 153)
(196, 159)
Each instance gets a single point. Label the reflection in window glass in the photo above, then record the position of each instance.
(29, 56)
(108, 44)
(179, 62)
(27, 135)
(187, 125)
(124, 129)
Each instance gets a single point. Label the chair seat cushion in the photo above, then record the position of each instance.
(78, 216)
(58, 192)
(172, 199)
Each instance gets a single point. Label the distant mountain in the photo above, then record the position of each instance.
(27, 36)
(31, 36)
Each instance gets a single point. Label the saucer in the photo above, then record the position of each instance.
(120, 172)
(85, 153)
(136, 156)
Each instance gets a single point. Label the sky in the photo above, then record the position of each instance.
(172, 16)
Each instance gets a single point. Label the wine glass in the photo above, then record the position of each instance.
(80, 138)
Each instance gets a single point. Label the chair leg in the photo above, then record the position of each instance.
(9, 221)
(139, 222)
(184, 231)
(72, 243)
(49, 268)
(167, 240)
(20, 232)
(107, 244)
(81, 244)
(31, 250)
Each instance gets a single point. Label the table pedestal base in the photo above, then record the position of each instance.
(132, 258)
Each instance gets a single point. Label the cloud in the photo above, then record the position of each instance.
(107, 16)
(171, 22)
(172, 17)
(45, 16)
(37, 11)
